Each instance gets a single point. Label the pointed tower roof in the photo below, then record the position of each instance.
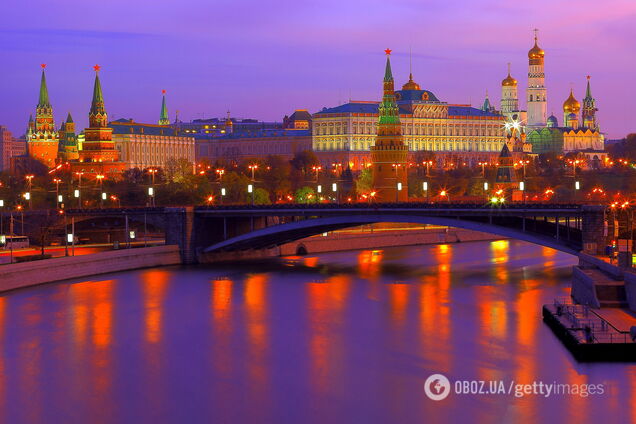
(30, 118)
(588, 90)
(486, 106)
(98, 96)
(388, 75)
(69, 118)
(163, 116)
(505, 151)
(43, 100)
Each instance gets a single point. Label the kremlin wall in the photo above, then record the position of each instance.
(405, 126)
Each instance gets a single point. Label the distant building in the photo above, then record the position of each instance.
(239, 146)
(218, 126)
(9, 148)
(299, 120)
(148, 145)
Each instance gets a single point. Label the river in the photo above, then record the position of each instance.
(347, 337)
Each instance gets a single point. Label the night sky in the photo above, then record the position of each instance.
(263, 59)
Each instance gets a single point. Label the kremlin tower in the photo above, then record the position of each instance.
(163, 117)
(509, 95)
(389, 154)
(98, 147)
(68, 140)
(589, 108)
(536, 92)
(42, 139)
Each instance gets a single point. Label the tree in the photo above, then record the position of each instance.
(276, 176)
(177, 170)
(304, 161)
(364, 181)
(306, 195)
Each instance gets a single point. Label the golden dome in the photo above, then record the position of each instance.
(536, 52)
(509, 81)
(571, 105)
(411, 85)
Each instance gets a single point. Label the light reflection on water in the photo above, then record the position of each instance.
(340, 337)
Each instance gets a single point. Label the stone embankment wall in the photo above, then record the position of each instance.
(26, 274)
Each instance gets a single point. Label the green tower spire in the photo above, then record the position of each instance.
(388, 109)
(97, 104)
(43, 101)
(69, 118)
(97, 116)
(163, 117)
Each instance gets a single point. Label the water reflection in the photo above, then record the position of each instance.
(343, 337)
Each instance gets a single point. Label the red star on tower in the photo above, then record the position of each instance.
(43, 65)
(388, 51)
(97, 68)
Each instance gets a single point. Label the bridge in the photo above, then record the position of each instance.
(204, 231)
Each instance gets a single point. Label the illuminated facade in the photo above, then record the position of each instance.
(389, 153)
(146, 145)
(42, 138)
(9, 148)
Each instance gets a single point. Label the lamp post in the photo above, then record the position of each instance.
(100, 178)
(316, 169)
(522, 188)
(250, 189)
(486, 189)
(1, 216)
(151, 194)
(78, 192)
(220, 173)
(57, 182)
(425, 189)
(222, 194)
(29, 179)
(397, 192)
(334, 188)
(253, 168)
(151, 189)
(428, 164)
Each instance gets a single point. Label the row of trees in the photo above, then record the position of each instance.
(276, 179)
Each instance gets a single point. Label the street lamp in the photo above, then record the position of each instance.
(151, 194)
(522, 188)
(1, 216)
(253, 168)
(222, 194)
(334, 188)
(100, 178)
(425, 188)
(78, 193)
(57, 182)
(316, 169)
(29, 179)
(220, 173)
(250, 189)
(399, 189)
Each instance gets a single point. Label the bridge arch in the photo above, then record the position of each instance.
(277, 235)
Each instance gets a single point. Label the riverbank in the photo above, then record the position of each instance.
(339, 241)
(13, 276)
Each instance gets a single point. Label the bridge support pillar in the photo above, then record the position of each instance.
(593, 229)
(179, 231)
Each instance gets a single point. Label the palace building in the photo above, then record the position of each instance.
(456, 134)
